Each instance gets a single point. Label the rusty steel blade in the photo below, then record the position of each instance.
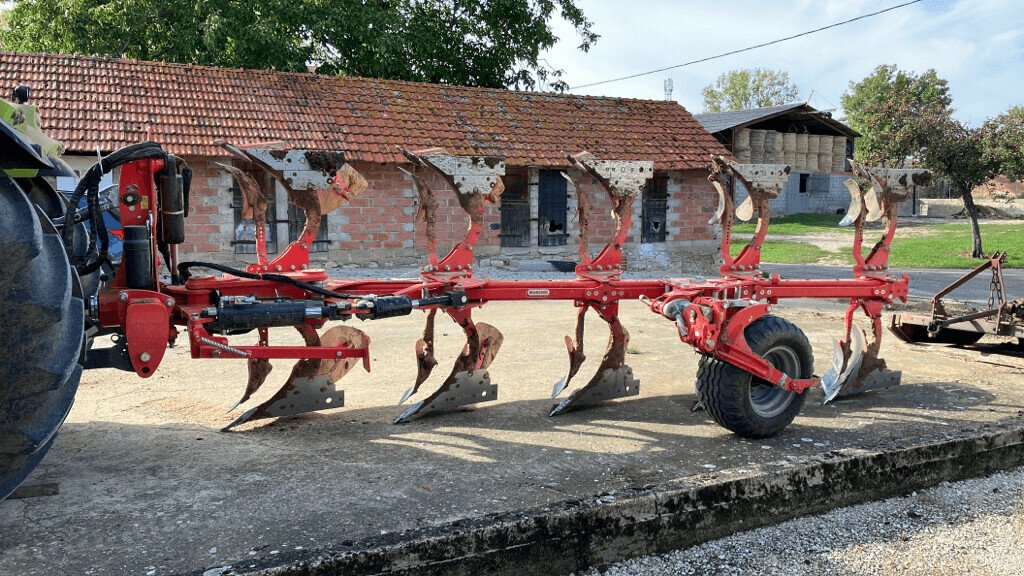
(745, 211)
(469, 381)
(425, 360)
(259, 369)
(576, 355)
(839, 374)
(311, 385)
(720, 209)
(856, 203)
(613, 378)
(874, 208)
(349, 337)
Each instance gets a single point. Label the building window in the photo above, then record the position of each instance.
(804, 181)
(552, 208)
(654, 210)
(244, 239)
(297, 220)
(515, 209)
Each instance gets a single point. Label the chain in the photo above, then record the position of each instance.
(995, 288)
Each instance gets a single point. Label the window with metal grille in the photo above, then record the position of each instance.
(244, 236)
(654, 210)
(297, 220)
(515, 208)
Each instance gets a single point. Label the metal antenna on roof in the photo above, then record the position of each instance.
(668, 88)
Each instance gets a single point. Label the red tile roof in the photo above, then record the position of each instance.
(102, 103)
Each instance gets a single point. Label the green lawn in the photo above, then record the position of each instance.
(796, 224)
(783, 252)
(942, 245)
(949, 246)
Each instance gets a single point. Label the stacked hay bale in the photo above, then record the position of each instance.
(824, 153)
(757, 138)
(813, 145)
(789, 149)
(772, 147)
(800, 162)
(741, 146)
(838, 154)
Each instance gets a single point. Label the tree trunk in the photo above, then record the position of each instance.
(972, 212)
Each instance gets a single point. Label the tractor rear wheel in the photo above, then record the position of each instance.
(41, 333)
(749, 406)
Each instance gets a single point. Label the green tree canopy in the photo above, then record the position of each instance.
(494, 43)
(1003, 142)
(889, 108)
(749, 88)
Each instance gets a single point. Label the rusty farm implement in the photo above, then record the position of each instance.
(753, 376)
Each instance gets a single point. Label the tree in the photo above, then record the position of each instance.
(1003, 142)
(890, 109)
(493, 43)
(749, 88)
(969, 157)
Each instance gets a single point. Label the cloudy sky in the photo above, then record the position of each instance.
(978, 46)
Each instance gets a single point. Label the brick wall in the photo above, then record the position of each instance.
(378, 228)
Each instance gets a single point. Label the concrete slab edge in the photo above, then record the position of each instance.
(573, 535)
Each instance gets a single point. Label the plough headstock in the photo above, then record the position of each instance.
(317, 181)
(763, 182)
(888, 187)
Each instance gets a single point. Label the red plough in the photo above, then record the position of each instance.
(756, 367)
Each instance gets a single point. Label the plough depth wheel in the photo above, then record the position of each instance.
(751, 407)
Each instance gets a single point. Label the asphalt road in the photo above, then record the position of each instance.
(924, 283)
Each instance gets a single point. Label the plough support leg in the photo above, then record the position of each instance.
(614, 379)
(469, 381)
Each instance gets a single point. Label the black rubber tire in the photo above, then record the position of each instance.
(41, 333)
(752, 407)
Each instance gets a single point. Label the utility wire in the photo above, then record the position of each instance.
(748, 48)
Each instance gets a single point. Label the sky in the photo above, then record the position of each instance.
(978, 46)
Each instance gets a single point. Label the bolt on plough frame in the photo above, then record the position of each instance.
(755, 370)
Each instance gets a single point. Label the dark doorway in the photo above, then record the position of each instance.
(515, 209)
(553, 193)
(654, 210)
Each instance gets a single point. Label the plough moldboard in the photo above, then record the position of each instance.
(755, 371)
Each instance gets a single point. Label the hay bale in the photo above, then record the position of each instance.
(789, 142)
(790, 159)
(813, 142)
(838, 154)
(825, 162)
(757, 138)
(812, 163)
(743, 156)
(742, 140)
(772, 146)
(825, 145)
(801, 143)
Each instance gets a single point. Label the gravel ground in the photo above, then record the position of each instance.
(970, 527)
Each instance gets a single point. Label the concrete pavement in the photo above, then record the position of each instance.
(150, 486)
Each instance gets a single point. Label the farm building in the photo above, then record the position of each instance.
(101, 104)
(810, 141)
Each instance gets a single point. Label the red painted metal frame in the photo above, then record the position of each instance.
(711, 315)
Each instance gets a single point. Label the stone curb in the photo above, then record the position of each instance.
(573, 535)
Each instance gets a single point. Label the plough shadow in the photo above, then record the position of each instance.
(651, 424)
